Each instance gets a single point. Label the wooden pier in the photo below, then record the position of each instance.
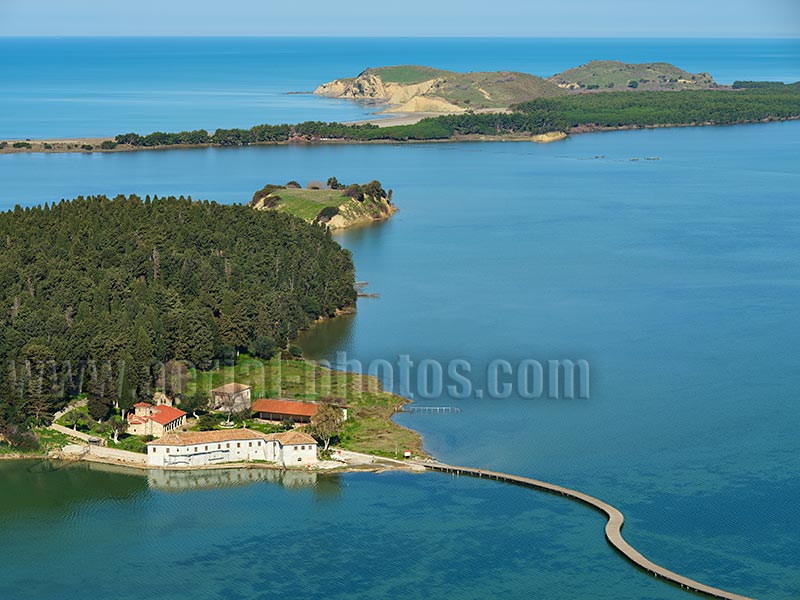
(613, 526)
(430, 409)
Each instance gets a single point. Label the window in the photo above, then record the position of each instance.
(195, 448)
(154, 448)
(238, 444)
(206, 448)
(219, 446)
(167, 450)
(299, 458)
(302, 447)
(227, 445)
(249, 444)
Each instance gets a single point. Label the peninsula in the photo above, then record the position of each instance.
(332, 204)
(492, 107)
(112, 301)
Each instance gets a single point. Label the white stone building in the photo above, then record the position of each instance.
(201, 448)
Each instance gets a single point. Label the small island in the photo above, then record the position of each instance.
(333, 204)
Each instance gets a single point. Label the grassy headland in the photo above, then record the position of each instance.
(334, 204)
(413, 88)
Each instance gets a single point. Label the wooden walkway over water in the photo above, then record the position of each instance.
(430, 409)
(613, 526)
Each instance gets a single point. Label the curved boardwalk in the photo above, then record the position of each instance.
(613, 527)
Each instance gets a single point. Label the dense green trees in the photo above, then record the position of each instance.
(99, 293)
(760, 100)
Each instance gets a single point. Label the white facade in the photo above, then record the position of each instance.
(196, 449)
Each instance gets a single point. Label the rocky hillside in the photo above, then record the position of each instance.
(335, 205)
(614, 75)
(411, 88)
(424, 89)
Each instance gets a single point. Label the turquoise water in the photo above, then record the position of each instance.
(111, 535)
(104, 86)
(678, 280)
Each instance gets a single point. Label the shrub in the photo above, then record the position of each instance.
(265, 191)
(207, 422)
(295, 351)
(3, 145)
(21, 145)
(334, 184)
(315, 185)
(374, 189)
(633, 84)
(263, 347)
(87, 147)
(293, 185)
(108, 145)
(21, 439)
(327, 213)
(355, 192)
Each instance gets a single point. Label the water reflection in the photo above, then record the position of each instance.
(324, 486)
(41, 485)
(324, 339)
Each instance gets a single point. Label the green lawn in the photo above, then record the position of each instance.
(409, 74)
(306, 204)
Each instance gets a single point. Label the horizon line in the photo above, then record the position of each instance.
(427, 36)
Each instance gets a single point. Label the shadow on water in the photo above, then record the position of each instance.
(324, 339)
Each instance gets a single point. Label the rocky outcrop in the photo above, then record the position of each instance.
(403, 97)
(353, 213)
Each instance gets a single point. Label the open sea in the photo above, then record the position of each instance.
(677, 279)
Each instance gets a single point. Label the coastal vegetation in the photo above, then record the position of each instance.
(602, 75)
(569, 113)
(101, 293)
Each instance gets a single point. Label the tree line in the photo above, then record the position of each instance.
(751, 101)
(98, 293)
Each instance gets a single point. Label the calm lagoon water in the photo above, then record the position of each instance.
(677, 279)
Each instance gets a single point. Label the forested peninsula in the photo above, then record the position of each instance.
(98, 292)
(566, 113)
(753, 102)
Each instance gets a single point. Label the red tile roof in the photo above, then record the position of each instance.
(161, 414)
(143, 404)
(284, 407)
(166, 414)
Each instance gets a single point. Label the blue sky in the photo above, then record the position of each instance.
(533, 18)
